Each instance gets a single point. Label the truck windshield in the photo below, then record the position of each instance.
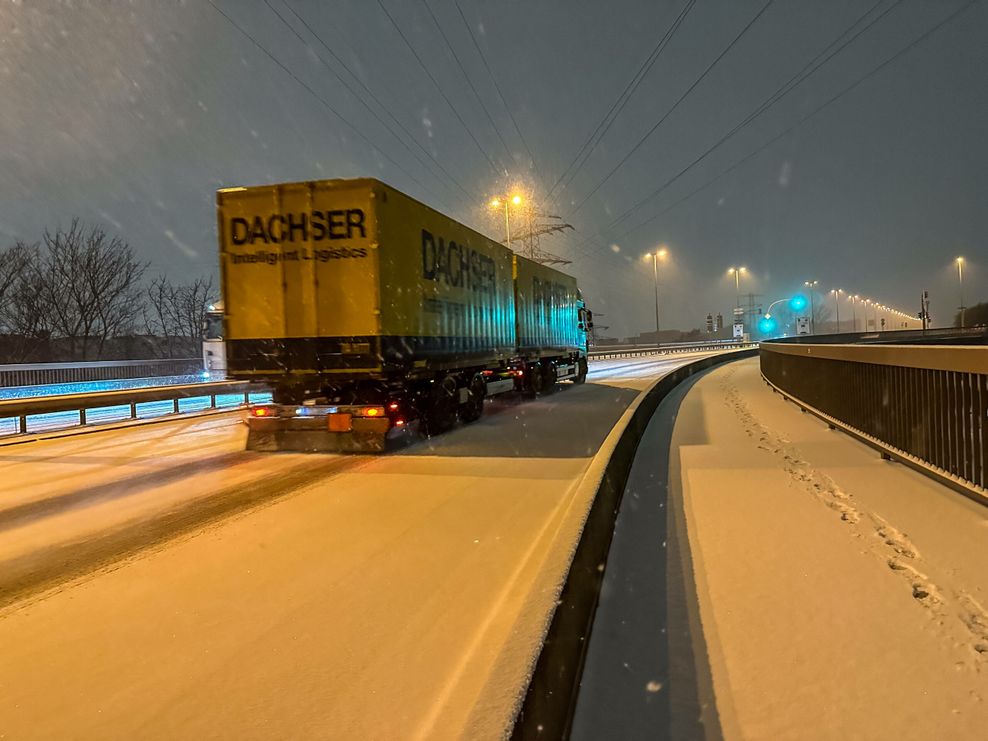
(213, 327)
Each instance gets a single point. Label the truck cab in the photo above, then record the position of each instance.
(213, 347)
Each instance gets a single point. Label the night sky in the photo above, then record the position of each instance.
(132, 114)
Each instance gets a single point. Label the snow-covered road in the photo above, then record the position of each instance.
(159, 581)
(789, 584)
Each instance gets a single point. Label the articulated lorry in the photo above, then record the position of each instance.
(367, 312)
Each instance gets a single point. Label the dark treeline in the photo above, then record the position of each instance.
(81, 294)
(974, 316)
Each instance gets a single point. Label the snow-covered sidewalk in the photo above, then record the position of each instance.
(840, 595)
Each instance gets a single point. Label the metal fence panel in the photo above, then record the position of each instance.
(932, 408)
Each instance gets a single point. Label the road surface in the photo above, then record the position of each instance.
(159, 581)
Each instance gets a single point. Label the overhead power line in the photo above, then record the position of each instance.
(675, 105)
(612, 114)
(797, 79)
(438, 87)
(471, 196)
(791, 84)
(318, 97)
(459, 64)
(812, 114)
(350, 88)
(507, 108)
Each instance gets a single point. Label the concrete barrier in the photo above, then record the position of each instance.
(546, 708)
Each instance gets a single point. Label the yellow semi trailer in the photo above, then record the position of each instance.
(366, 311)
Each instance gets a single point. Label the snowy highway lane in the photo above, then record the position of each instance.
(159, 581)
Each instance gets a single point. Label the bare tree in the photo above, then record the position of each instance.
(24, 319)
(194, 299)
(89, 283)
(176, 313)
(15, 262)
(822, 317)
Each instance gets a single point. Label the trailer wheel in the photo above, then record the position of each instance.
(581, 371)
(440, 409)
(288, 393)
(548, 378)
(536, 380)
(472, 410)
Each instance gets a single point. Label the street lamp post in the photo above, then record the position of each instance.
(854, 311)
(656, 256)
(811, 284)
(837, 292)
(496, 202)
(736, 272)
(960, 284)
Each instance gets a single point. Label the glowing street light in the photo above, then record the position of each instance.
(837, 292)
(659, 254)
(737, 273)
(811, 284)
(505, 200)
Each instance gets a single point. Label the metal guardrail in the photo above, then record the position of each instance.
(939, 336)
(925, 405)
(679, 347)
(21, 409)
(41, 374)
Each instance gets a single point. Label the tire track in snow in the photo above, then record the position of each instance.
(36, 574)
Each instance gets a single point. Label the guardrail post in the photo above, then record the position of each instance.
(82, 416)
(212, 401)
(133, 410)
(22, 424)
(175, 406)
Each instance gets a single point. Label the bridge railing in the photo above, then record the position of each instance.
(23, 409)
(926, 405)
(43, 374)
(939, 336)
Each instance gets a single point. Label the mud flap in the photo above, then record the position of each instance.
(272, 435)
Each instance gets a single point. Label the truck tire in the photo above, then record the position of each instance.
(581, 371)
(535, 385)
(472, 410)
(288, 393)
(548, 378)
(439, 413)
